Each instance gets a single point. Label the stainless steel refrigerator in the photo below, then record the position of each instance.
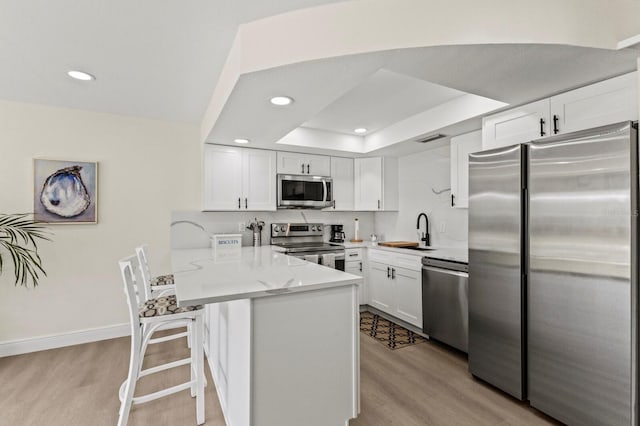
(553, 273)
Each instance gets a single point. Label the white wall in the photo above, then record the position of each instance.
(147, 169)
(419, 176)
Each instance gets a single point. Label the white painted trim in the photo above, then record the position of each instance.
(633, 42)
(41, 343)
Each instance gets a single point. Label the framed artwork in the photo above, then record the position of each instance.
(65, 191)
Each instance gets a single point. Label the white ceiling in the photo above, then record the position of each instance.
(378, 89)
(383, 98)
(152, 58)
(161, 59)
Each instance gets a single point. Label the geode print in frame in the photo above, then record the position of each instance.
(65, 191)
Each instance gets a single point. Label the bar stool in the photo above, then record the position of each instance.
(147, 318)
(161, 285)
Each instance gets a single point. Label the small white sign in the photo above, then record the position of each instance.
(226, 242)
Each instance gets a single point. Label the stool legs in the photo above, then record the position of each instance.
(199, 363)
(130, 384)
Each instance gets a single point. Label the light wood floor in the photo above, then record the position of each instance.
(425, 384)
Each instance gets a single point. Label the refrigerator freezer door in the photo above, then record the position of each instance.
(495, 273)
(580, 281)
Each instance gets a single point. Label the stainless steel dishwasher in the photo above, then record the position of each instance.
(445, 301)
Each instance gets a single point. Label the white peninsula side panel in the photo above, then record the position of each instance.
(281, 335)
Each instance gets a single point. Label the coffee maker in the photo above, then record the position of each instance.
(337, 234)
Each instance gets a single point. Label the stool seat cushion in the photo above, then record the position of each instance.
(166, 305)
(163, 280)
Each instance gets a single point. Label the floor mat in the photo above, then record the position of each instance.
(387, 332)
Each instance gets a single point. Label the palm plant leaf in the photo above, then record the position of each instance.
(18, 236)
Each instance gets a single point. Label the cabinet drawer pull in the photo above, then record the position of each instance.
(542, 133)
(353, 254)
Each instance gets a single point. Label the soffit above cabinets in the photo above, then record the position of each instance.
(403, 95)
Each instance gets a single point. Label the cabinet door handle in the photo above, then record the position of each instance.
(555, 125)
(302, 168)
(542, 133)
(360, 266)
(393, 273)
(452, 202)
(388, 272)
(308, 169)
(239, 203)
(245, 204)
(378, 204)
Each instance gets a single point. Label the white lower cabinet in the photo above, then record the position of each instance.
(395, 284)
(354, 264)
(380, 287)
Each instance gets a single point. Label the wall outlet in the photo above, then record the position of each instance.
(442, 227)
(241, 226)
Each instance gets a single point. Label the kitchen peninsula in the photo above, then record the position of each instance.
(281, 334)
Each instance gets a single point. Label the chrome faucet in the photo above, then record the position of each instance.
(425, 235)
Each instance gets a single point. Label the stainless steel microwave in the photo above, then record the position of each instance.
(304, 192)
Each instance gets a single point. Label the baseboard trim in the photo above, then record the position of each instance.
(23, 346)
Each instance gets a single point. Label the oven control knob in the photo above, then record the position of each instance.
(313, 228)
(319, 228)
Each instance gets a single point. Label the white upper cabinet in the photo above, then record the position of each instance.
(294, 163)
(461, 147)
(607, 102)
(259, 179)
(342, 175)
(518, 125)
(238, 179)
(222, 178)
(376, 184)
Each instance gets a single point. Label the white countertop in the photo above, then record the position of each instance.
(448, 253)
(204, 276)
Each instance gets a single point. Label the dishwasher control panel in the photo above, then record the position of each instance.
(450, 265)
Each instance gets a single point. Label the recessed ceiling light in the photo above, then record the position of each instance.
(241, 140)
(80, 75)
(281, 100)
(360, 130)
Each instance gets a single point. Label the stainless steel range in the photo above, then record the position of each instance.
(306, 241)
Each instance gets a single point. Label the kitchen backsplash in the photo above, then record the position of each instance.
(192, 229)
(425, 186)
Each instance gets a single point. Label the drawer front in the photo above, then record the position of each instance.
(381, 256)
(408, 261)
(352, 254)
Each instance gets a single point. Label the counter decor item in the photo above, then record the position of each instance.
(356, 238)
(256, 226)
(65, 191)
(18, 236)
